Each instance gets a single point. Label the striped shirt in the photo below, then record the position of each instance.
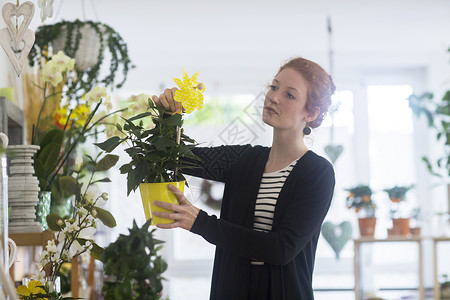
(271, 185)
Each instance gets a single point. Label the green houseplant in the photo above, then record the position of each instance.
(437, 113)
(360, 199)
(400, 223)
(133, 266)
(397, 193)
(85, 41)
(161, 153)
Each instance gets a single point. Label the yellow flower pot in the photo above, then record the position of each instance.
(151, 192)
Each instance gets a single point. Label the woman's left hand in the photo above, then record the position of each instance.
(183, 214)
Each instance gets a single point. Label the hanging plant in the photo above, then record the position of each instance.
(80, 39)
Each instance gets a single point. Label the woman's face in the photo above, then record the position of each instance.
(284, 105)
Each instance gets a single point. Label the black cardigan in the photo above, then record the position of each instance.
(289, 249)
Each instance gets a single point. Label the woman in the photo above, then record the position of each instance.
(275, 199)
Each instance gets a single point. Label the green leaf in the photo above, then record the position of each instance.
(48, 156)
(110, 144)
(139, 116)
(97, 252)
(107, 162)
(69, 185)
(106, 179)
(52, 221)
(106, 217)
(52, 136)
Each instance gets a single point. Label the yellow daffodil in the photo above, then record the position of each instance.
(33, 288)
(190, 92)
(51, 73)
(95, 94)
(63, 61)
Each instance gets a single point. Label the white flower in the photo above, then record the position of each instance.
(52, 73)
(60, 222)
(70, 228)
(51, 247)
(94, 213)
(92, 193)
(82, 212)
(95, 94)
(104, 196)
(63, 61)
(42, 260)
(39, 276)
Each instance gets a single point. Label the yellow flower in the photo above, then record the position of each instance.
(95, 94)
(80, 114)
(51, 72)
(190, 92)
(33, 288)
(63, 61)
(60, 117)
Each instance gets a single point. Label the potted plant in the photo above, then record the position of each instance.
(133, 266)
(158, 154)
(400, 225)
(85, 41)
(360, 200)
(437, 113)
(60, 126)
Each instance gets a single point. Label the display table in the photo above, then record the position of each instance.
(365, 240)
(437, 286)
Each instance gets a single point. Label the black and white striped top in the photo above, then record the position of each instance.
(271, 185)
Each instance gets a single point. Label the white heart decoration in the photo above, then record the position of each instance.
(11, 38)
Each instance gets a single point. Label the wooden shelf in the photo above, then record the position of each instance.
(365, 240)
(437, 286)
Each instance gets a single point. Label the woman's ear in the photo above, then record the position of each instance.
(312, 115)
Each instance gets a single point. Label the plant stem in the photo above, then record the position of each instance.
(33, 140)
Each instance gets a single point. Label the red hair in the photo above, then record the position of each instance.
(320, 86)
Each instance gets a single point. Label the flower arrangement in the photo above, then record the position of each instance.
(62, 123)
(359, 198)
(74, 234)
(158, 153)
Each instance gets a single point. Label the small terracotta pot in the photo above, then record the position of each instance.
(400, 226)
(415, 231)
(367, 226)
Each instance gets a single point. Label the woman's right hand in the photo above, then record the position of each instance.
(166, 100)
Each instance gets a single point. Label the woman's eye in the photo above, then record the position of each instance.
(272, 87)
(290, 96)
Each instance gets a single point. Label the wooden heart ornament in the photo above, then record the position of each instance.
(17, 41)
(337, 235)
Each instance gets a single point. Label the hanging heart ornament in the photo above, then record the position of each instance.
(17, 41)
(334, 151)
(337, 235)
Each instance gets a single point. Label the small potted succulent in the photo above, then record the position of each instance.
(360, 199)
(158, 154)
(400, 225)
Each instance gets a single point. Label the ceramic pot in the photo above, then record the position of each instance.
(400, 227)
(151, 192)
(367, 226)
